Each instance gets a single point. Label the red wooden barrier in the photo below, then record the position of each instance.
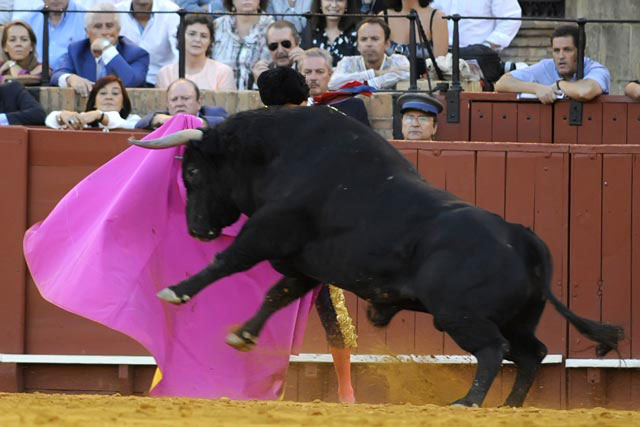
(582, 200)
(501, 117)
(13, 193)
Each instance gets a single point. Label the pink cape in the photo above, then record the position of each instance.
(119, 236)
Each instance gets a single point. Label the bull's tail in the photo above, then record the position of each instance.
(606, 335)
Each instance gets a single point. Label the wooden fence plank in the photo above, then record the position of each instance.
(585, 246)
(616, 243)
(481, 121)
(505, 122)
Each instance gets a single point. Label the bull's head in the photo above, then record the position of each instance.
(210, 207)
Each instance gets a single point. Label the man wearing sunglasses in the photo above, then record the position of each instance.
(419, 116)
(283, 42)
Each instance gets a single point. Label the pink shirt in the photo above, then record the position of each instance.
(214, 76)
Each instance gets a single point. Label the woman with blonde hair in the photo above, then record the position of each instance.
(19, 49)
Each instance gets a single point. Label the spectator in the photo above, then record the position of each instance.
(104, 52)
(283, 42)
(551, 79)
(483, 39)
(419, 116)
(155, 33)
(435, 28)
(194, 5)
(183, 96)
(240, 40)
(335, 34)
(64, 28)
(207, 73)
(632, 90)
(277, 8)
(373, 66)
(18, 107)
(5, 17)
(108, 107)
(19, 46)
(316, 69)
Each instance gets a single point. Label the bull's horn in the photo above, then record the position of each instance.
(173, 140)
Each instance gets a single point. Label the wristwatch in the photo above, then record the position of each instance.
(558, 84)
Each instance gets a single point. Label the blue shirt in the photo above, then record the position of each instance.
(546, 73)
(70, 29)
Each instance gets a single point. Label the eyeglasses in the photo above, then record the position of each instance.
(423, 120)
(285, 44)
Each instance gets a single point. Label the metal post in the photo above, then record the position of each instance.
(575, 107)
(455, 51)
(453, 94)
(413, 77)
(181, 44)
(45, 46)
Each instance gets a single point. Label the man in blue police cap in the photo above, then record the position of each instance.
(419, 116)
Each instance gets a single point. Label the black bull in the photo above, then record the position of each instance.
(331, 201)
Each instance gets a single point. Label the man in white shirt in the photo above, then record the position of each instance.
(372, 67)
(494, 34)
(482, 39)
(154, 32)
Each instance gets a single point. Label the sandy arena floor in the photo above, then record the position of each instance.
(86, 411)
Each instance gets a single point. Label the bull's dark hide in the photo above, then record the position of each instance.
(330, 200)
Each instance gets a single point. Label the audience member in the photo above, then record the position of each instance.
(6, 17)
(194, 5)
(240, 39)
(277, 8)
(373, 67)
(183, 96)
(19, 46)
(434, 27)
(283, 42)
(419, 116)
(154, 32)
(103, 53)
(483, 39)
(64, 28)
(335, 34)
(108, 107)
(18, 107)
(632, 90)
(207, 73)
(316, 69)
(551, 79)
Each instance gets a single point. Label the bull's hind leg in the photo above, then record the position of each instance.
(527, 353)
(483, 339)
(283, 293)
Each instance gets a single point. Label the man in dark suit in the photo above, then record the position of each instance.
(18, 107)
(316, 66)
(183, 97)
(103, 53)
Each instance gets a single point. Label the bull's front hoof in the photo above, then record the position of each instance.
(246, 342)
(169, 296)
(464, 403)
